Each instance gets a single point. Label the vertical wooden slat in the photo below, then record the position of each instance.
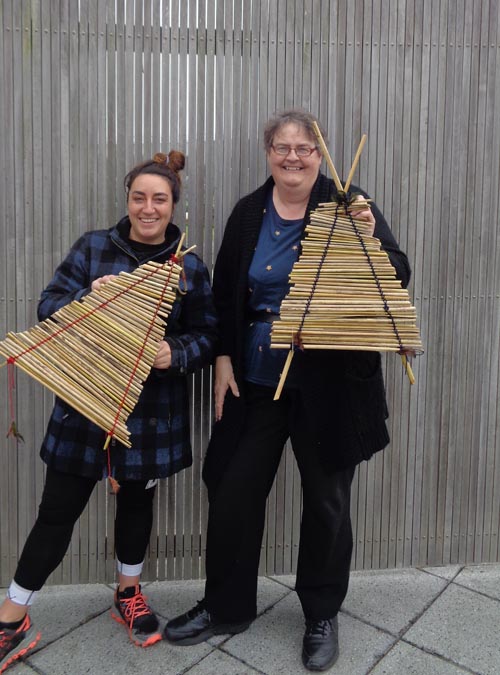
(8, 149)
(384, 136)
(321, 100)
(211, 188)
(77, 152)
(482, 273)
(154, 563)
(114, 190)
(203, 100)
(464, 258)
(146, 82)
(111, 186)
(6, 525)
(439, 129)
(428, 247)
(192, 225)
(23, 185)
(156, 33)
(170, 103)
(493, 495)
(487, 244)
(275, 528)
(128, 81)
(136, 58)
(181, 493)
(94, 105)
(314, 51)
(247, 108)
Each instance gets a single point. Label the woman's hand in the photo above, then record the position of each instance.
(163, 357)
(97, 283)
(224, 380)
(366, 215)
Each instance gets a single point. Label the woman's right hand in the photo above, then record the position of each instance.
(97, 283)
(224, 380)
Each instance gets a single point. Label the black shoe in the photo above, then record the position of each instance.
(320, 648)
(198, 625)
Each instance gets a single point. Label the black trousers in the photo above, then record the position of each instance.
(237, 514)
(63, 501)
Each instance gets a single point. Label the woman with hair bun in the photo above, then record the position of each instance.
(159, 424)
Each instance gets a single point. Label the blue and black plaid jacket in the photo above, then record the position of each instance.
(159, 424)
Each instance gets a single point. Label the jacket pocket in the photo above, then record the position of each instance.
(366, 393)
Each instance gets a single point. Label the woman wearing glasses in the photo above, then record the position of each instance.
(332, 408)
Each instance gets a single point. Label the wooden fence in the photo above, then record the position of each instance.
(90, 87)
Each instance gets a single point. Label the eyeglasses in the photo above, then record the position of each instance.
(300, 150)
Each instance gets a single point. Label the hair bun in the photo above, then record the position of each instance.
(160, 158)
(176, 160)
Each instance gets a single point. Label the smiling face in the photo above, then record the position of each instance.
(150, 207)
(290, 171)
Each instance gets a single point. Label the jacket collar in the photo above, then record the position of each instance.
(120, 232)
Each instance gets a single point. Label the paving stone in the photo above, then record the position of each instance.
(391, 599)
(102, 647)
(59, 609)
(482, 578)
(463, 627)
(448, 572)
(404, 659)
(220, 663)
(273, 644)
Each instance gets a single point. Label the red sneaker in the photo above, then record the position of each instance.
(134, 612)
(15, 643)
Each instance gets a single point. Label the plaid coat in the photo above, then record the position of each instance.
(159, 424)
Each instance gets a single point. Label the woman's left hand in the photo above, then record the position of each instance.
(366, 215)
(163, 358)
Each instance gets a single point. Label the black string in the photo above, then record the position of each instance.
(316, 278)
(377, 281)
(345, 200)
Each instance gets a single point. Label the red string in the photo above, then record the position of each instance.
(11, 379)
(12, 359)
(141, 351)
(93, 310)
(114, 484)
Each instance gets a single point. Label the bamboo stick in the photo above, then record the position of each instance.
(96, 353)
(286, 368)
(355, 163)
(328, 159)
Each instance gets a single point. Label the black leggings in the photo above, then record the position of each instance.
(63, 501)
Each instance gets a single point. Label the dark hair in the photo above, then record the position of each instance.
(301, 118)
(167, 166)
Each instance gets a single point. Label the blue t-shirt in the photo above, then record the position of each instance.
(268, 279)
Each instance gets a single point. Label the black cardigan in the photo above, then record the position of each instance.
(343, 391)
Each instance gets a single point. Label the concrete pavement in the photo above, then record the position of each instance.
(429, 621)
